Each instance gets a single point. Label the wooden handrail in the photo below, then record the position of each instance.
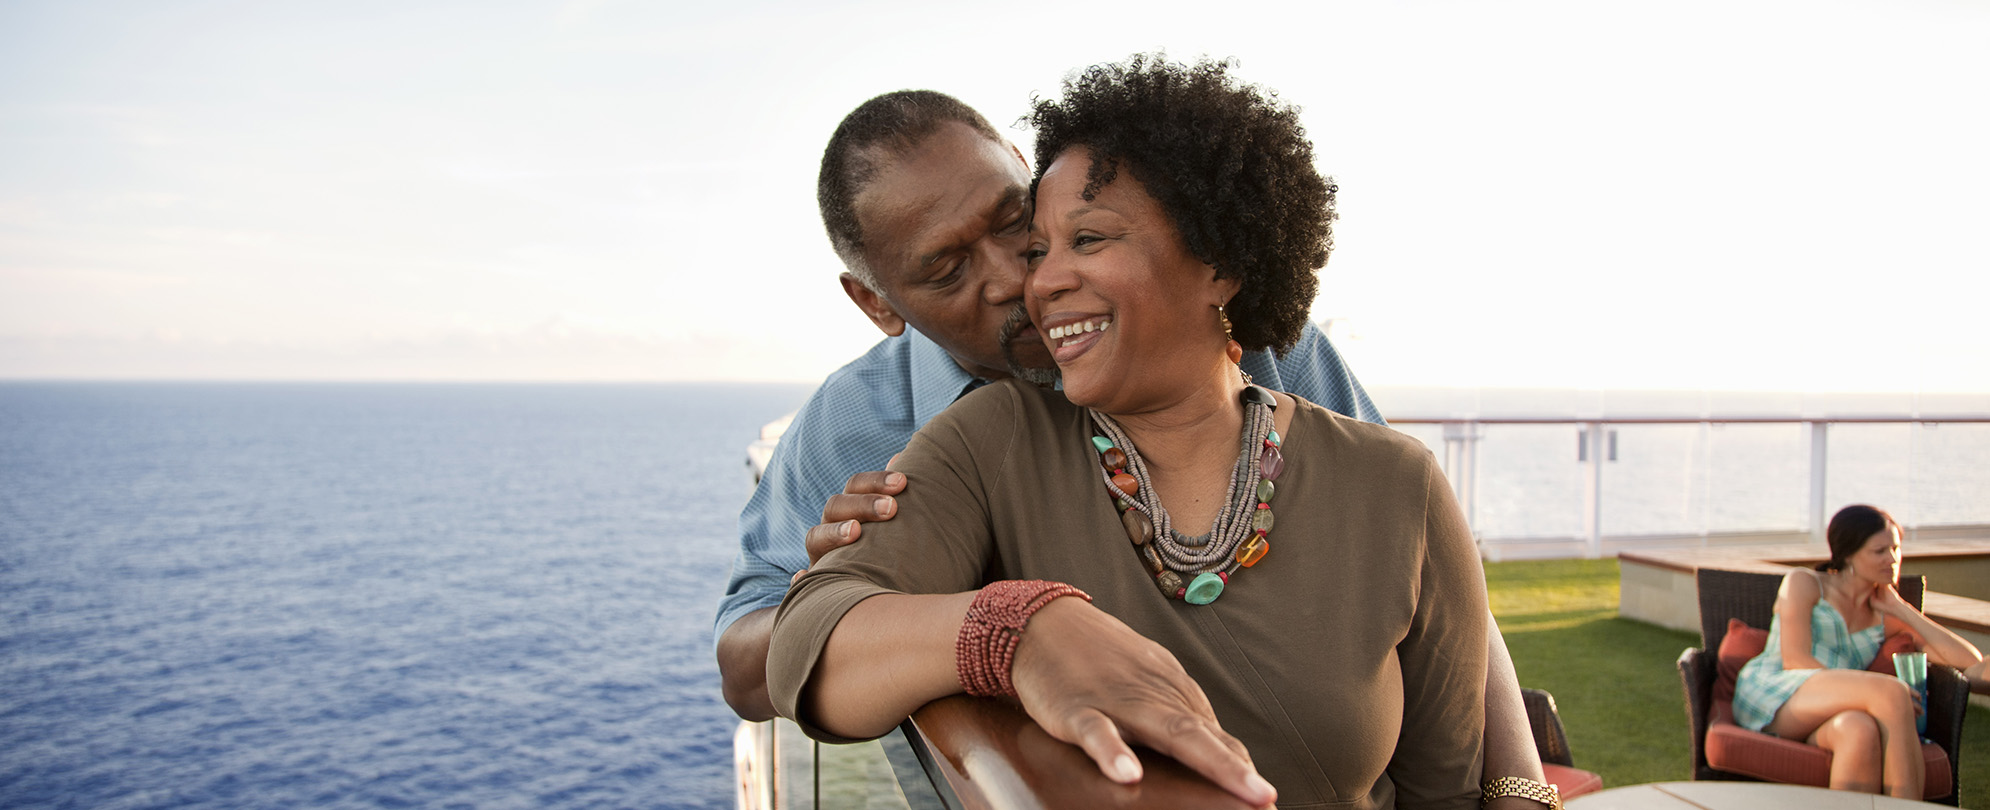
(995, 757)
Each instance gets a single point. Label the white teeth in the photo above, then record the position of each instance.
(1068, 330)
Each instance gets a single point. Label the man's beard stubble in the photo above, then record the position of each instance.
(1019, 318)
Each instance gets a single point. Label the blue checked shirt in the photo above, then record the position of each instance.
(868, 410)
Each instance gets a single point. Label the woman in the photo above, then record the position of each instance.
(1296, 594)
(1810, 682)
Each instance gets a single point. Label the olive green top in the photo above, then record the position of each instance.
(1351, 660)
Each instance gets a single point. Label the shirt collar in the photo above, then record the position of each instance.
(936, 379)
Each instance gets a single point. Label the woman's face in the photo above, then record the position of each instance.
(1879, 559)
(1129, 314)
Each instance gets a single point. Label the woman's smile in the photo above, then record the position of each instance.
(1070, 340)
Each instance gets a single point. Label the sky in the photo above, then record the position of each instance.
(1735, 195)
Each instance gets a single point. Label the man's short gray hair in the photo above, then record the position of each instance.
(883, 127)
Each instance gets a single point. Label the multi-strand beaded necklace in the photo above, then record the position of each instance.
(1195, 569)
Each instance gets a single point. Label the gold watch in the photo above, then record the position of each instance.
(1505, 786)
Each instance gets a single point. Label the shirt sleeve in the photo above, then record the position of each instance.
(853, 423)
(1439, 759)
(787, 501)
(1313, 369)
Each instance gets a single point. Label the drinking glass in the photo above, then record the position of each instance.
(1912, 668)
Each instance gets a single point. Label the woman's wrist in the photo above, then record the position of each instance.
(1510, 791)
(985, 650)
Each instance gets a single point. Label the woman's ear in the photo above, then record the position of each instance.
(1226, 288)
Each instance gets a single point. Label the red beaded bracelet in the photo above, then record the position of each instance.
(985, 650)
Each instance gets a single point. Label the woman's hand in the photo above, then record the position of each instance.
(1886, 600)
(1091, 681)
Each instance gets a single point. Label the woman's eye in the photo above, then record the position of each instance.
(1084, 240)
(1034, 254)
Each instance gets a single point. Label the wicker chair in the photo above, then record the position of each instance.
(1553, 745)
(1751, 597)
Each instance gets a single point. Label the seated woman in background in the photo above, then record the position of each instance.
(1178, 220)
(1810, 682)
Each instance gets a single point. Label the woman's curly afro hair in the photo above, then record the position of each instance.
(1227, 161)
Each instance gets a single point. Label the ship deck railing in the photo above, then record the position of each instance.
(963, 753)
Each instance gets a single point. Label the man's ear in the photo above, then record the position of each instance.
(874, 306)
(1019, 157)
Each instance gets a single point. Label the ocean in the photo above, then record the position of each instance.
(331, 595)
(500, 596)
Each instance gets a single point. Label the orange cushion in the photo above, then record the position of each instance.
(1741, 644)
(1571, 782)
(1899, 641)
(1734, 749)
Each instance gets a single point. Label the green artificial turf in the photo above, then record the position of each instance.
(1616, 681)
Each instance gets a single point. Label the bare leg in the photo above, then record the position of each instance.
(1853, 739)
(1890, 703)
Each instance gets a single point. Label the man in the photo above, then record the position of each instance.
(927, 207)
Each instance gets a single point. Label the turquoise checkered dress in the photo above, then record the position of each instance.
(1764, 685)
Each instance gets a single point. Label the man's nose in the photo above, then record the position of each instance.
(1005, 279)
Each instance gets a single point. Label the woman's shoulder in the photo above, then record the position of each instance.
(1801, 588)
(1369, 441)
(1006, 409)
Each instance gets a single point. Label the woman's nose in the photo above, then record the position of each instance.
(1050, 276)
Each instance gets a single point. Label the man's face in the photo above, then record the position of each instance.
(945, 225)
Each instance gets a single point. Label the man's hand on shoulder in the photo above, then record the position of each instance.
(867, 498)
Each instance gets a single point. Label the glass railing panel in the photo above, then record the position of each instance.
(1529, 482)
(1758, 477)
(1657, 480)
(1871, 463)
(1705, 478)
(1948, 474)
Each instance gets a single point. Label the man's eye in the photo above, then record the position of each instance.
(1015, 226)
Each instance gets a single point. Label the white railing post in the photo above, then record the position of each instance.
(1592, 487)
(1461, 461)
(1819, 447)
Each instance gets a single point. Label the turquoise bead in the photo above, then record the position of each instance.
(1203, 589)
(1273, 438)
(1102, 443)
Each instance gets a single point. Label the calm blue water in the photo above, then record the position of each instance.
(450, 596)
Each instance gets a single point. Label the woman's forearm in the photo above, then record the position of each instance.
(889, 655)
(1943, 645)
(1510, 749)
